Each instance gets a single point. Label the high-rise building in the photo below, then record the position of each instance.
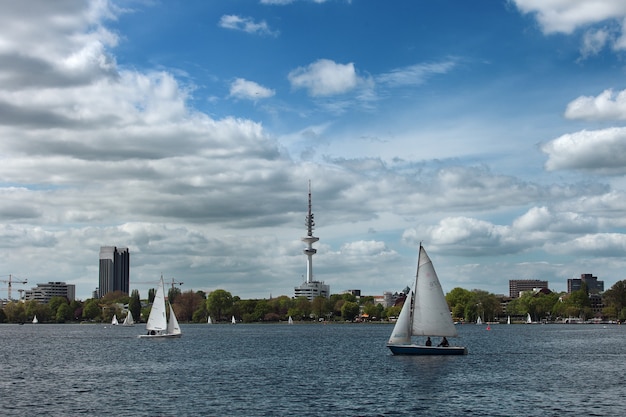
(518, 285)
(114, 270)
(311, 288)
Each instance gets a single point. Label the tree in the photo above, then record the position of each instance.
(15, 312)
(134, 305)
(64, 313)
(186, 305)
(615, 298)
(91, 309)
(349, 310)
(218, 303)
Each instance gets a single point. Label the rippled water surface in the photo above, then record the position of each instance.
(309, 370)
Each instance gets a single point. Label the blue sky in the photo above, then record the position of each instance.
(492, 131)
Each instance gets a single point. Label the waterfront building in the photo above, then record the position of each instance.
(516, 286)
(593, 285)
(311, 288)
(42, 293)
(114, 270)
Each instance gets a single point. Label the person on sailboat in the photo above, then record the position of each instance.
(444, 342)
(429, 342)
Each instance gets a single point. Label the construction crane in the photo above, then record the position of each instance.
(176, 282)
(10, 281)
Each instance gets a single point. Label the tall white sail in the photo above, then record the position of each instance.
(431, 314)
(128, 321)
(209, 321)
(35, 321)
(172, 325)
(114, 321)
(157, 320)
(401, 333)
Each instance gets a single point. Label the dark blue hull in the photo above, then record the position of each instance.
(427, 350)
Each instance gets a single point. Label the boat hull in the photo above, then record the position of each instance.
(158, 336)
(416, 350)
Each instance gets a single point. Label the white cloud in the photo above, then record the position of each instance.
(565, 16)
(249, 90)
(608, 105)
(246, 24)
(593, 42)
(602, 151)
(414, 74)
(325, 78)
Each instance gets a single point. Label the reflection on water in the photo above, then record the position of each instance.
(309, 370)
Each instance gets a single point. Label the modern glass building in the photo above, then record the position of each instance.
(114, 270)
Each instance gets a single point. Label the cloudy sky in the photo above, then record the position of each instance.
(187, 131)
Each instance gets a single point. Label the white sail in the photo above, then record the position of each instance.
(157, 320)
(35, 321)
(209, 321)
(172, 325)
(479, 320)
(290, 321)
(508, 320)
(401, 333)
(128, 321)
(431, 314)
(528, 319)
(114, 321)
(233, 321)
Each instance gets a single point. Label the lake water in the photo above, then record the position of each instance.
(309, 370)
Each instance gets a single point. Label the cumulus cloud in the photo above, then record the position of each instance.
(601, 151)
(246, 24)
(249, 90)
(325, 77)
(562, 16)
(566, 16)
(608, 105)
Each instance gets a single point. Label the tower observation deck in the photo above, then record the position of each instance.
(311, 288)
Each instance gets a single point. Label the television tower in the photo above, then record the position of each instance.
(309, 239)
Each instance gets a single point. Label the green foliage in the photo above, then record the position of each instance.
(349, 310)
(134, 305)
(91, 309)
(219, 303)
(64, 313)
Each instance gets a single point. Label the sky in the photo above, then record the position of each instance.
(494, 132)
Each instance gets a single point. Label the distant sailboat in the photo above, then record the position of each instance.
(114, 321)
(209, 321)
(290, 321)
(233, 321)
(425, 313)
(157, 324)
(35, 321)
(528, 319)
(129, 321)
(508, 320)
(479, 320)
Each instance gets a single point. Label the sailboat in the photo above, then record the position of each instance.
(157, 324)
(233, 321)
(114, 321)
(425, 313)
(35, 321)
(508, 320)
(129, 321)
(290, 321)
(528, 319)
(479, 320)
(209, 321)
